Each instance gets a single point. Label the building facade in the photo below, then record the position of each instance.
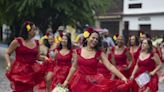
(132, 16)
(112, 18)
(144, 15)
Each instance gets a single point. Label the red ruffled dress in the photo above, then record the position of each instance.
(86, 78)
(25, 72)
(121, 62)
(147, 65)
(103, 70)
(48, 65)
(61, 69)
(135, 56)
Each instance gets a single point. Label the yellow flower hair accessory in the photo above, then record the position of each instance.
(86, 34)
(59, 39)
(141, 34)
(114, 37)
(28, 27)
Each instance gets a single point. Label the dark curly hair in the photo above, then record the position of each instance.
(24, 31)
(98, 46)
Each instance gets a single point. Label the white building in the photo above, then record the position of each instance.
(145, 15)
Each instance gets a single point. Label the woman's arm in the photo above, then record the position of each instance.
(14, 44)
(113, 61)
(111, 68)
(158, 64)
(134, 71)
(129, 56)
(72, 70)
(42, 53)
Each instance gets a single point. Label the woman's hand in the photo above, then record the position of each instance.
(131, 77)
(124, 79)
(65, 84)
(8, 67)
(46, 58)
(151, 73)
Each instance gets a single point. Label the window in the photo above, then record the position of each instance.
(145, 27)
(131, 6)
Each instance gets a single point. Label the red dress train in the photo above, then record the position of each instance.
(25, 72)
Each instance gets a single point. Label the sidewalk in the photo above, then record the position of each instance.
(4, 83)
(3, 48)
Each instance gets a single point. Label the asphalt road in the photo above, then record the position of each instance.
(4, 83)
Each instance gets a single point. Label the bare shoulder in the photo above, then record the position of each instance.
(14, 42)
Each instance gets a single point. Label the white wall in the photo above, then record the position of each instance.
(148, 6)
(156, 21)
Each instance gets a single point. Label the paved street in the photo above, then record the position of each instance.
(4, 83)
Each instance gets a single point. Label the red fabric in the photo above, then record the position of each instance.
(147, 65)
(135, 56)
(103, 70)
(121, 62)
(61, 69)
(25, 72)
(51, 63)
(48, 66)
(86, 78)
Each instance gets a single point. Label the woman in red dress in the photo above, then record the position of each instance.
(101, 68)
(63, 59)
(134, 51)
(83, 75)
(155, 49)
(47, 49)
(25, 72)
(149, 62)
(122, 57)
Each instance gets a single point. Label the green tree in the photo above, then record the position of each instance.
(45, 12)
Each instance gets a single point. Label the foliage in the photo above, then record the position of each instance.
(49, 12)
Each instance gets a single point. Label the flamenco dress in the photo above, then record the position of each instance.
(103, 70)
(25, 72)
(61, 68)
(121, 62)
(147, 65)
(86, 78)
(135, 55)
